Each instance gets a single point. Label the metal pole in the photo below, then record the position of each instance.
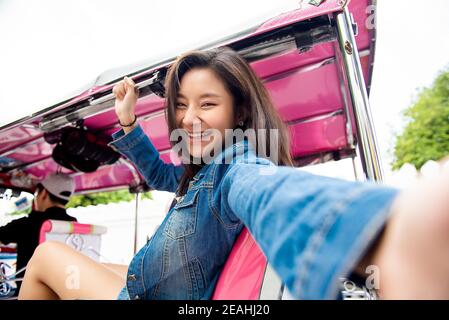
(136, 222)
(367, 144)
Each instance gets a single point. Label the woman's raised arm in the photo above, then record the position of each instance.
(133, 143)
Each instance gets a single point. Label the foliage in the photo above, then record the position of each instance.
(104, 198)
(426, 136)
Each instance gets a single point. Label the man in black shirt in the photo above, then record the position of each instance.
(50, 198)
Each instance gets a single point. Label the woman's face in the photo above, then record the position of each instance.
(203, 104)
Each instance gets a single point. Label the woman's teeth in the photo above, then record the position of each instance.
(199, 135)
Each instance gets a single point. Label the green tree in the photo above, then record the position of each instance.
(426, 135)
(93, 199)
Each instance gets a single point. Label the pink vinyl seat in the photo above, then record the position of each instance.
(243, 273)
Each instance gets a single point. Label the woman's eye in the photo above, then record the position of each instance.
(180, 105)
(208, 105)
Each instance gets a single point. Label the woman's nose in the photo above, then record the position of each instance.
(190, 117)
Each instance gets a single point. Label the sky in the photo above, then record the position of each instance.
(412, 47)
(50, 48)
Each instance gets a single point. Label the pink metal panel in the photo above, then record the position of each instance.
(318, 136)
(105, 176)
(243, 272)
(292, 60)
(297, 96)
(42, 168)
(83, 96)
(146, 105)
(362, 13)
(304, 94)
(33, 151)
(365, 67)
(17, 137)
(304, 12)
(156, 129)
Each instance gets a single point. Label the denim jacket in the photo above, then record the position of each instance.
(312, 229)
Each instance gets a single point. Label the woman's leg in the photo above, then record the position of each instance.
(56, 271)
(120, 269)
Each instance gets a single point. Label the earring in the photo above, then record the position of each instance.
(241, 123)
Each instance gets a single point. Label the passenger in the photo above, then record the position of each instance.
(312, 229)
(50, 198)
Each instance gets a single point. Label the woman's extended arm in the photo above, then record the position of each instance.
(312, 229)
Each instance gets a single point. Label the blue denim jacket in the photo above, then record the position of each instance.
(312, 229)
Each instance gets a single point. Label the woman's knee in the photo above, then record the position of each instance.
(45, 251)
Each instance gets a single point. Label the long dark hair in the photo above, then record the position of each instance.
(251, 101)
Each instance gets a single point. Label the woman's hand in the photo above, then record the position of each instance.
(412, 255)
(126, 95)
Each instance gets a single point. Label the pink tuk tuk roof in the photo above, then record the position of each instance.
(305, 84)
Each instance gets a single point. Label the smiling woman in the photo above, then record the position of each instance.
(217, 90)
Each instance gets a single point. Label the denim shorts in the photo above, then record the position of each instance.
(123, 295)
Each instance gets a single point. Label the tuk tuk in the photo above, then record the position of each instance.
(316, 61)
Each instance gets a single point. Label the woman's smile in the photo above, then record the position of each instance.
(194, 136)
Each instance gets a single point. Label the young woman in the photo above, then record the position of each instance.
(312, 229)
